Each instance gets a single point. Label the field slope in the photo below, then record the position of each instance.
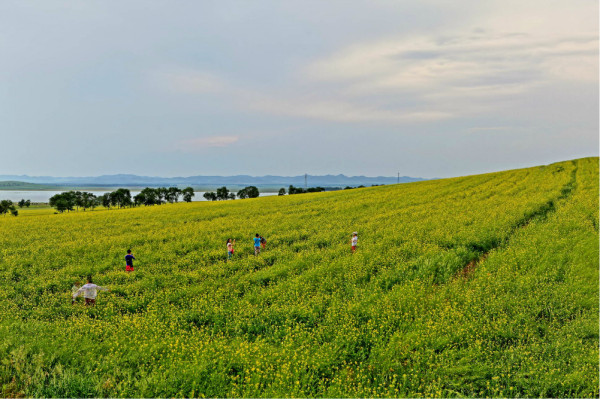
(475, 286)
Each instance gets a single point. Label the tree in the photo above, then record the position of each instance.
(70, 198)
(105, 200)
(210, 196)
(149, 196)
(139, 199)
(281, 191)
(88, 200)
(63, 205)
(222, 193)
(62, 201)
(299, 190)
(242, 194)
(161, 195)
(21, 203)
(121, 197)
(231, 196)
(27, 203)
(188, 194)
(295, 190)
(78, 198)
(252, 192)
(172, 194)
(7, 206)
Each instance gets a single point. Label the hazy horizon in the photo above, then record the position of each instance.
(294, 175)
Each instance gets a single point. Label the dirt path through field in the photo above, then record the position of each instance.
(540, 214)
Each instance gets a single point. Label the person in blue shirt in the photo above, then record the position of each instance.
(257, 244)
(129, 261)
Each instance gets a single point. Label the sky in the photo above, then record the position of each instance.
(181, 88)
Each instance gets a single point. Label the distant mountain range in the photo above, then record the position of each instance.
(127, 180)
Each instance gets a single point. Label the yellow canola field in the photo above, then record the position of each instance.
(475, 286)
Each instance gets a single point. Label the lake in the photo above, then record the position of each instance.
(44, 196)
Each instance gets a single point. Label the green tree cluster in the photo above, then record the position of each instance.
(248, 192)
(120, 198)
(23, 203)
(160, 195)
(300, 190)
(7, 206)
(69, 200)
(223, 194)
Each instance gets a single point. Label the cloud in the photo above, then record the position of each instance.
(338, 110)
(188, 81)
(478, 68)
(454, 75)
(201, 143)
(463, 60)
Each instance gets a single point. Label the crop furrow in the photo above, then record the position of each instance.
(540, 214)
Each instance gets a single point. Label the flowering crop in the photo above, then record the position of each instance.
(475, 286)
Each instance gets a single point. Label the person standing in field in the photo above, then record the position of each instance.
(263, 242)
(354, 241)
(257, 244)
(230, 244)
(75, 287)
(129, 261)
(89, 291)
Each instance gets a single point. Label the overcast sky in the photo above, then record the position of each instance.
(180, 88)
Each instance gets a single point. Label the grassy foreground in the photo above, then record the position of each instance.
(475, 286)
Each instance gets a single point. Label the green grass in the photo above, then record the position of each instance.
(475, 286)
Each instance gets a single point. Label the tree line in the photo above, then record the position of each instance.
(23, 203)
(71, 200)
(120, 198)
(7, 206)
(300, 190)
(223, 194)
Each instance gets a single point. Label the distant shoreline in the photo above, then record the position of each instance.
(131, 188)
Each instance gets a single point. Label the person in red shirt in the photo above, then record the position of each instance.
(354, 241)
(263, 242)
(230, 249)
(129, 261)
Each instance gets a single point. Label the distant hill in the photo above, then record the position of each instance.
(128, 180)
(19, 185)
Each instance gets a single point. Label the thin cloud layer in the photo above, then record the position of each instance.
(437, 76)
(199, 144)
(190, 81)
(454, 74)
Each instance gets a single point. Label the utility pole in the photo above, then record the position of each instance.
(306, 181)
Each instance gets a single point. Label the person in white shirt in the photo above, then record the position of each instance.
(354, 241)
(75, 287)
(89, 291)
